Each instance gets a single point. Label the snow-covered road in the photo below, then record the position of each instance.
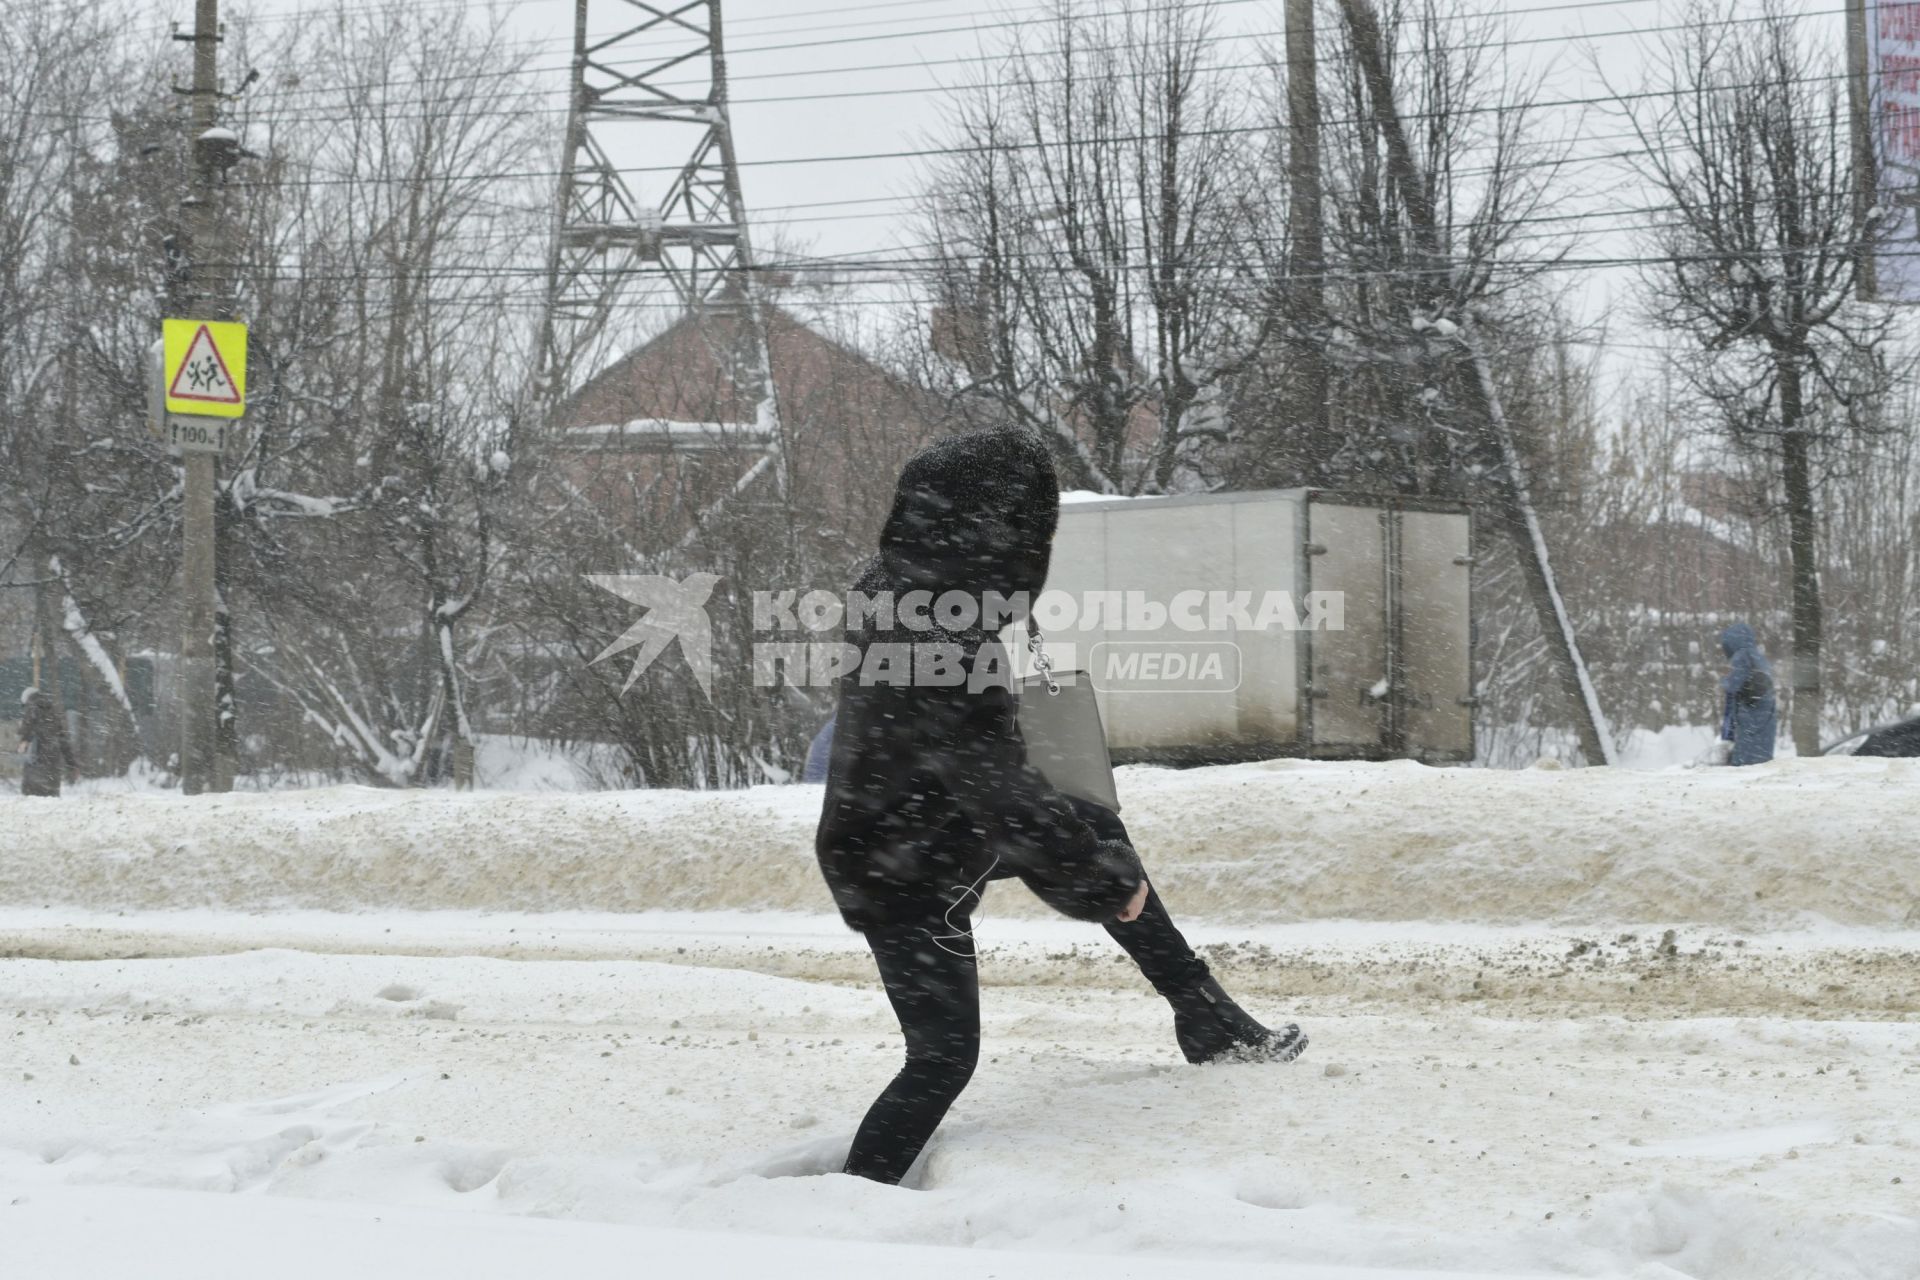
(1476, 1101)
(1595, 1023)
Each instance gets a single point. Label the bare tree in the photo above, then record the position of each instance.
(1748, 143)
(1089, 247)
(77, 467)
(1433, 167)
(1454, 271)
(384, 461)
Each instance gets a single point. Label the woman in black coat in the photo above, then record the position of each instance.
(929, 794)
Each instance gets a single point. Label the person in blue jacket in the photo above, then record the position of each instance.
(1751, 718)
(819, 753)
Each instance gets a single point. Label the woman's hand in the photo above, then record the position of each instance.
(1136, 905)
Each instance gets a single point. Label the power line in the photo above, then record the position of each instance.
(880, 275)
(292, 15)
(922, 264)
(980, 59)
(999, 148)
(1264, 127)
(329, 114)
(487, 235)
(1519, 230)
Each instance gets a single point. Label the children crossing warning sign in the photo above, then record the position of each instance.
(206, 368)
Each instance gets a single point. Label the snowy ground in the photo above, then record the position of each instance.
(392, 1091)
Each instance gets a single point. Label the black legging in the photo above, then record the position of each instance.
(933, 982)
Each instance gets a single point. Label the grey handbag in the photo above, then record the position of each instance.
(1060, 720)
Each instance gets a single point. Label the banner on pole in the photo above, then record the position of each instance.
(1893, 95)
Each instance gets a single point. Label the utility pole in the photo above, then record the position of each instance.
(205, 298)
(1307, 288)
(1866, 185)
(1513, 503)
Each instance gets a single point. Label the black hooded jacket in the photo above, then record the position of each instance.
(929, 790)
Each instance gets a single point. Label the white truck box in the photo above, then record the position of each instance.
(1394, 680)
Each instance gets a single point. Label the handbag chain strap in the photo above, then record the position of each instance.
(1042, 661)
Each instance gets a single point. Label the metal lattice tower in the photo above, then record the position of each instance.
(631, 96)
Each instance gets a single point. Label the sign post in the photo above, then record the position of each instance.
(205, 368)
(203, 393)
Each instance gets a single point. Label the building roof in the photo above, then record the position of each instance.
(846, 423)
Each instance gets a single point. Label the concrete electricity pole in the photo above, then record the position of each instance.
(1307, 290)
(1866, 184)
(205, 297)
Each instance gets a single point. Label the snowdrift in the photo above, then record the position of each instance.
(1768, 847)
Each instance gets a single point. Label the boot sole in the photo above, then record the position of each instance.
(1275, 1050)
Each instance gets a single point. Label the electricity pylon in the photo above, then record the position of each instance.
(655, 90)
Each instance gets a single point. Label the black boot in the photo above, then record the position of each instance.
(1212, 1028)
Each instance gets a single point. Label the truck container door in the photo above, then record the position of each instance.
(1347, 671)
(1434, 596)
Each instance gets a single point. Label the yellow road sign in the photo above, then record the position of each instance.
(206, 367)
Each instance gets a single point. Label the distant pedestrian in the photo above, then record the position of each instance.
(819, 753)
(44, 751)
(1750, 720)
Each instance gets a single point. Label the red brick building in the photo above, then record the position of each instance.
(675, 427)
